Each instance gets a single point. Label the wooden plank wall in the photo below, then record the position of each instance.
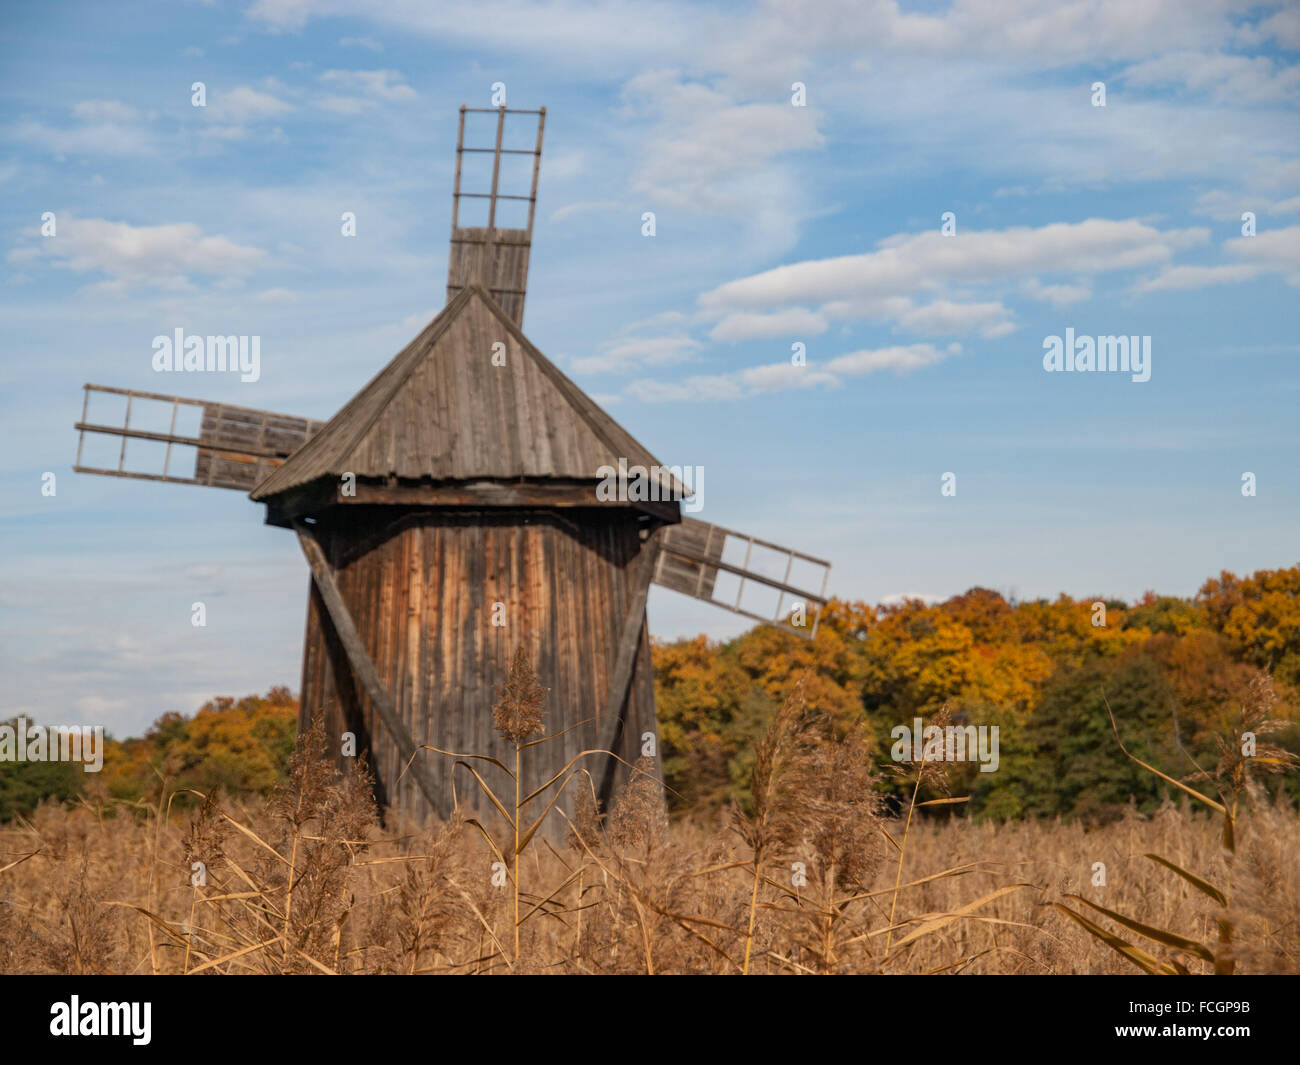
(422, 587)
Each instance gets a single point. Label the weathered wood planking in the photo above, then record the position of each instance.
(442, 411)
(495, 258)
(422, 590)
(685, 575)
(360, 665)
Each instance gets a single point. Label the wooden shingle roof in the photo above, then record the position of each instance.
(441, 411)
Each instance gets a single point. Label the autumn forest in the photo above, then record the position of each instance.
(1173, 673)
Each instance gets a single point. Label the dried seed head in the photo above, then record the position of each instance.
(205, 840)
(930, 771)
(772, 761)
(307, 790)
(584, 832)
(1242, 754)
(519, 713)
(836, 811)
(638, 815)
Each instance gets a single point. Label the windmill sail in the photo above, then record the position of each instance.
(236, 447)
(739, 573)
(494, 256)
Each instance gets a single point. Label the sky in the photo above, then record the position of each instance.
(920, 195)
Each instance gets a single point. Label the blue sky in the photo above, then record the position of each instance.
(775, 224)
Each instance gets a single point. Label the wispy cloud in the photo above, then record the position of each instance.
(1272, 251)
(1237, 79)
(126, 256)
(888, 283)
(787, 376)
(1179, 278)
(389, 86)
(245, 104)
(791, 322)
(1062, 295)
(707, 153)
(100, 127)
(626, 355)
(369, 43)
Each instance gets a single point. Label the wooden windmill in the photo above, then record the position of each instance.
(450, 512)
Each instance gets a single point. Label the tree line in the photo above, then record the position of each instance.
(1173, 673)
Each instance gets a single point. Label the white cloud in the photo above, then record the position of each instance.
(785, 376)
(1178, 278)
(94, 706)
(243, 104)
(600, 30)
(1056, 295)
(641, 351)
(775, 36)
(899, 598)
(162, 255)
(1236, 79)
(368, 43)
(386, 85)
(943, 317)
(792, 322)
(104, 127)
(907, 263)
(105, 111)
(902, 359)
(777, 377)
(1225, 206)
(706, 153)
(884, 284)
(707, 89)
(572, 210)
(1283, 27)
(1270, 251)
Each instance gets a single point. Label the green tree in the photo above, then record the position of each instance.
(24, 784)
(1069, 762)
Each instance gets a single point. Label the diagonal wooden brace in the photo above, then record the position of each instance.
(363, 668)
(628, 645)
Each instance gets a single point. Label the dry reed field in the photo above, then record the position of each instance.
(813, 878)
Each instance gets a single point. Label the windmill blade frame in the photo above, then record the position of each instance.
(691, 559)
(495, 256)
(237, 447)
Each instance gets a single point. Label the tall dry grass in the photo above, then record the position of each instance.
(92, 890)
(813, 879)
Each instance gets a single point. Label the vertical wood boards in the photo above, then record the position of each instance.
(423, 589)
(361, 668)
(495, 258)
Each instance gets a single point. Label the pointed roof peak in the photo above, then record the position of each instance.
(469, 399)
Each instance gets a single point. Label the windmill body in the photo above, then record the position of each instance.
(451, 513)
